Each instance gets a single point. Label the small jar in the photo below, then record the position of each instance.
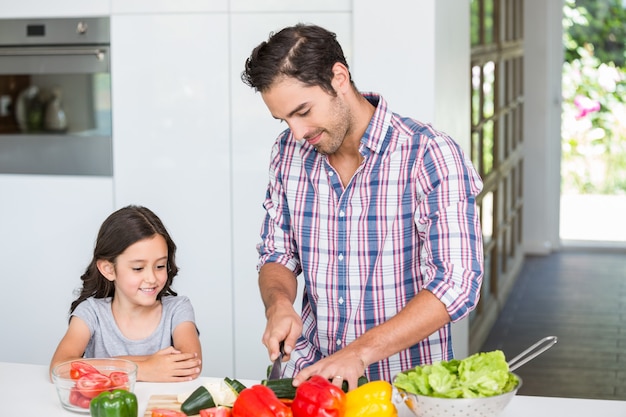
(55, 120)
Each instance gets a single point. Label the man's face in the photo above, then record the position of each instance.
(312, 114)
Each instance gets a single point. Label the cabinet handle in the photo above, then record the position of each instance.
(98, 53)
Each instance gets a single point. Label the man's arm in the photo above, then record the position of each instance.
(421, 317)
(279, 287)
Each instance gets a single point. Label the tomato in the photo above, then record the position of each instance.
(166, 412)
(80, 368)
(91, 385)
(218, 411)
(119, 380)
(78, 399)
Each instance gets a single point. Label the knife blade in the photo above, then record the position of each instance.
(276, 366)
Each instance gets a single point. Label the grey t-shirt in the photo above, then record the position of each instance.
(107, 340)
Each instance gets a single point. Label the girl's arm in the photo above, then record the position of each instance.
(187, 340)
(181, 362)
(73, 344)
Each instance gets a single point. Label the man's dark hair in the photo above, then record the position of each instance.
(304, 52)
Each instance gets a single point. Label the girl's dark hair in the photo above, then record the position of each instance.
(121, 229)
(304, 52)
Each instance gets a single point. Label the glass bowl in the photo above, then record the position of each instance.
(424, 406)
(78, 381)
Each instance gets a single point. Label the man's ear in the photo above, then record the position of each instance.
(106, 268)
(341, 77)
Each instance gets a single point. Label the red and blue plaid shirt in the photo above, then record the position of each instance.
(407, 221)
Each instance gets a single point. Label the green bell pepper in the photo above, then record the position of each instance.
(116, 403)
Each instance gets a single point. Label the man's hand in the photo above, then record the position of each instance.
(283, 324)
(344, 365)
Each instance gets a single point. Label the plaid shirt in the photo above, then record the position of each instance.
(407, 221)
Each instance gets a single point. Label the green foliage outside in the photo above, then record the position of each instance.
(593, 129)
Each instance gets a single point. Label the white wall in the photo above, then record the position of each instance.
(543, 62)
(192, 142)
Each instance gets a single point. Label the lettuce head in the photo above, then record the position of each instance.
(483, 374)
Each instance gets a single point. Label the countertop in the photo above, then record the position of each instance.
(26, 390)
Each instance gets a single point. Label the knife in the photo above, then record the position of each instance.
(276, 366)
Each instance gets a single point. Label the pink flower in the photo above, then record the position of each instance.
(585, 106)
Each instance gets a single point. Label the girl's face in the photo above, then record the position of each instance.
(140, 272)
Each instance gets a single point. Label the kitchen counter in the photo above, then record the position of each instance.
(26, 390)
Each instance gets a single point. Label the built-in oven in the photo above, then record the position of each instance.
(55, 97)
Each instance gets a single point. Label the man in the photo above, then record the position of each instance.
(375, 210)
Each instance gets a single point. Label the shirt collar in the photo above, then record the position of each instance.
(374, 136)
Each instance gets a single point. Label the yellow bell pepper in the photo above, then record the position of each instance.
(371, 399)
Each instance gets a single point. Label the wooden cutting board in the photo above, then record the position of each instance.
(167, 401)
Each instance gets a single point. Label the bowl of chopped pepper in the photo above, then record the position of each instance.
(77, 382)
(481, 386)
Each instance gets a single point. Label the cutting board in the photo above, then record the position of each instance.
(168, 401)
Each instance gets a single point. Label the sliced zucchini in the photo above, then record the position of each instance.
(200, 399)
(283, 388)
(235, 385)
(362, 380)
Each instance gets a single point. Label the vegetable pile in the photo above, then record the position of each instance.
(279, 398)
(483, 374)
(90, 382)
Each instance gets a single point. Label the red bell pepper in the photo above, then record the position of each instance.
(318, 397)
(259, 401)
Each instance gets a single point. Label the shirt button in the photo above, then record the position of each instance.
(340, 300)
(342, 213)
(331, 173)
(338, 342)
(341, 256)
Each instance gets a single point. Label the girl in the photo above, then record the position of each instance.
(127, 307)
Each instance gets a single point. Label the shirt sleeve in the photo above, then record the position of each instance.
(277, 242)
(87, 313)
(181, 310)
(449, 224)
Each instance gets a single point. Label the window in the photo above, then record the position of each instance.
(497, 110)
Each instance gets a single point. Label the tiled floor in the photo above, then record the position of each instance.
(580, 297)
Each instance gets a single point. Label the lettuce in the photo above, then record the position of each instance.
(483, 374)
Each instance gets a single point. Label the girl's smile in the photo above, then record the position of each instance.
(149, 291)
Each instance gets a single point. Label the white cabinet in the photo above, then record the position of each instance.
(48, 227)
(171, 142)
(57, 8)
(168, 6)
(286, 6)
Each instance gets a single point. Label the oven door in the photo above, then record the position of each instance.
(55, 99)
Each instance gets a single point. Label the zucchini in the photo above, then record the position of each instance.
(362, 380)
(200, 399)
(234, 385)
(283, 388)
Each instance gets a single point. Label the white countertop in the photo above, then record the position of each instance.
(26, 390)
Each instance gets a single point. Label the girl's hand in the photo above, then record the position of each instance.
(169, 365)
